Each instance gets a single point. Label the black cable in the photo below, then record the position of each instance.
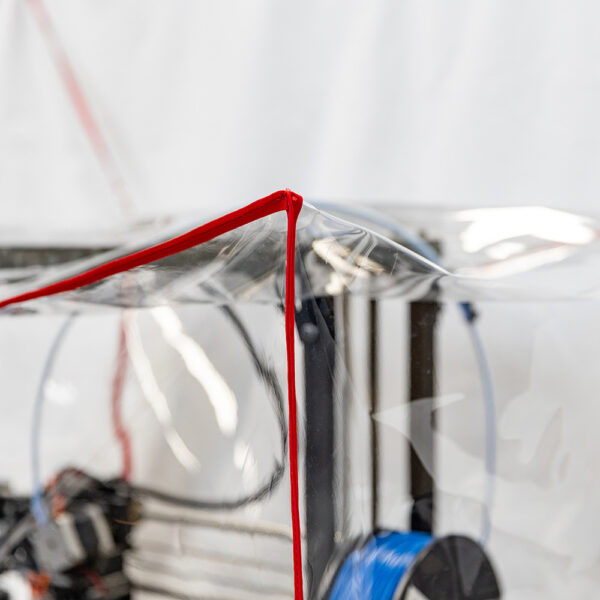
(270, 379)
(374, 408)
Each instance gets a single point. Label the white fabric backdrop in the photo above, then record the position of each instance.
(207, 104)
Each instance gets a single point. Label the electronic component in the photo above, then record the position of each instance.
(78, 553)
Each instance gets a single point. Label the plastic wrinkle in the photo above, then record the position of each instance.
(424, 248)
(278, 201)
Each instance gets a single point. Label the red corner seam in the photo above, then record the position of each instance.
(282, 200)
(293, 207)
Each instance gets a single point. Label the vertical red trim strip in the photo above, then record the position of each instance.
(293, 206)
(279, 201)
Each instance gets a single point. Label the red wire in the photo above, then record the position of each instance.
(39, 583)
(94, 578)
(117, 398)
(80, 104)
(115, 180)
(279, 201)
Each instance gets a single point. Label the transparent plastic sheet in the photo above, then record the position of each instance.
(243, 265)
(203, 397)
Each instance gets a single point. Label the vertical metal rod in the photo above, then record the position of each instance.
(343, 415)
(374, 407)
(316, 325)
(423, 316)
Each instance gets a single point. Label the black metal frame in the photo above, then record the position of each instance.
(423, 319)
(316, 327)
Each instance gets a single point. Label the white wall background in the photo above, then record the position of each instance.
(207, 104)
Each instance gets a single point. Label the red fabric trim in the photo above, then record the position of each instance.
(294, 205)
(279, 201)
(204, 233)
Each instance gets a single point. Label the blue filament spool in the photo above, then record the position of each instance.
(376, 569)
(405, 566)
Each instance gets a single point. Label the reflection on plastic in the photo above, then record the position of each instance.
(156, 399)
(219, 394)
